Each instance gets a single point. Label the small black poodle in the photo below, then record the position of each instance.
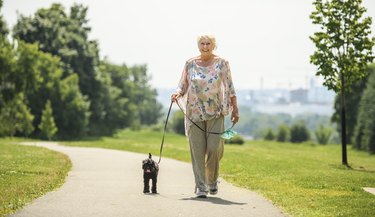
(150, 171)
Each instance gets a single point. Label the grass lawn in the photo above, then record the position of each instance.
(28, 172)
(301, 179)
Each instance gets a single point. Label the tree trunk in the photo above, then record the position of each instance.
(343, 122)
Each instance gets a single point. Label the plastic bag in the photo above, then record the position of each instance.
(228, 134)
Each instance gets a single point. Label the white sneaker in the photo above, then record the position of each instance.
(201, 194)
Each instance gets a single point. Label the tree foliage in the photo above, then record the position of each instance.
(145, 96)
(47, 124)
(39, 76)
(15, 117)
(343, 45)
(66, 36)
(364, 136)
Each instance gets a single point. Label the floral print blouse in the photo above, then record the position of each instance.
(206, 90)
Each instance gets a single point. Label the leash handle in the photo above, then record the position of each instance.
(165, 129)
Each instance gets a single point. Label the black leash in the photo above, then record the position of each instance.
(165, 129)
(166, 123)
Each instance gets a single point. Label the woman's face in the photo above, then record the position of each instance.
(205, 46)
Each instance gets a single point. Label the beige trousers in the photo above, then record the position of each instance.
(206, 151)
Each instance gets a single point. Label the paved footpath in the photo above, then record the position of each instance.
(109, 183)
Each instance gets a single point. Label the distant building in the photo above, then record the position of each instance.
(299, 95)
(321, 95)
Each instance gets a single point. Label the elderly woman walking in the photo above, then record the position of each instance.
(207, 94)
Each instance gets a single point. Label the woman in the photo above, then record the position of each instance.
(207, 94)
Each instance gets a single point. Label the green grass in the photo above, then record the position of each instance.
(304, 180)
(301, 179)
(28, 172)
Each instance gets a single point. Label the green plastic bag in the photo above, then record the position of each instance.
(228, 134)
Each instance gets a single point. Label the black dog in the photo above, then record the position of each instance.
(150, 171)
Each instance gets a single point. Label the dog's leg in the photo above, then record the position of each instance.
(154, 180)
(146, 180)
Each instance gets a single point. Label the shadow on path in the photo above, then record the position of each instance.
(215, 200)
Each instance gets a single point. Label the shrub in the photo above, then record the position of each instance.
(299, 133)
(323, 135)
(269, 135)
(283, 133)
(237, 139)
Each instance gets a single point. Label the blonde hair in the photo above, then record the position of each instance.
(209, 37)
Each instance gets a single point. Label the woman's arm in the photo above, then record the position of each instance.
(182, 85)
(235, 115)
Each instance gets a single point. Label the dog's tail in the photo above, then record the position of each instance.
(149, 155)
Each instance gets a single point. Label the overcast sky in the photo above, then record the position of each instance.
(264, 40)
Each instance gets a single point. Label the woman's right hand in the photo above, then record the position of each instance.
(175, 96)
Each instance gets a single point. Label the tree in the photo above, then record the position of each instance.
(145, 96)
(269, 134)
(343, 49)
(364, 136)
(299, 132)
(73, 117)
(15, 117)
(47, 124)
(39, 76)
(66, 36)
(282, 133)
(117, 92)
(323, 135)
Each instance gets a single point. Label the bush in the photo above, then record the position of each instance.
(299, 133)
(269, 135)
(323, 135)
(283, 133)
(237, 139)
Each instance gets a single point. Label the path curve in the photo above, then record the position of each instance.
(109, 183)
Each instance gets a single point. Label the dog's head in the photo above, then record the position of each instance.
(149, 165)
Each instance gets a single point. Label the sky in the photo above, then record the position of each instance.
(265, 41)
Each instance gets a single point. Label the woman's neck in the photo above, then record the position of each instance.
(207, 57)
